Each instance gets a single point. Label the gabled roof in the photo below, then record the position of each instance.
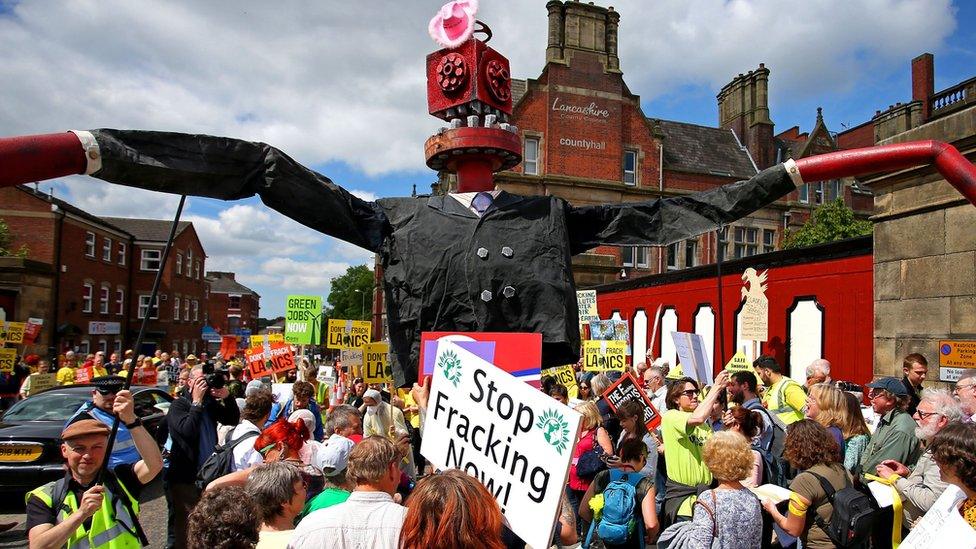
(72, 209)
(704, 150)
(150, 230)
(227, 285)
(519, 87)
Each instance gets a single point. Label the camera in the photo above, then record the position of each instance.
(216, 379)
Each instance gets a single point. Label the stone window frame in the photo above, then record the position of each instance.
(107, 250)
(537, 138)
(176, 308)
(87, 297)
(145, 308)
(145, 259)
(635, 151)
(123, 248)
(119, 301)
(89, 244)
(104, 296)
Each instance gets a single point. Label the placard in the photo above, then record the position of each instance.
(33, 330)
(40, 382)
(740, 363)
(566, 376)
(8, 357)
(693, 356)
(626, 388)
(12, 332)
(609, 330)
(326, 374)
(260, 340)
(376, 363)
(279, 358)
(353, 360)
(517, 441)
(145, 376)
(942, 526)
(586, 302)
(228, 346)
(303, 319)
(519, 354)
(348, 334)
(600, 356)
(753, 319)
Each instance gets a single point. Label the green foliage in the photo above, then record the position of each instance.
(351, 297)
(5, 241)
(831, 221)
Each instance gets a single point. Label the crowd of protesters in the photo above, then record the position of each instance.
(337, 464)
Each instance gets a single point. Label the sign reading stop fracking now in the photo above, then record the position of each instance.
(303, 319)
(348, 334)
(514, 439)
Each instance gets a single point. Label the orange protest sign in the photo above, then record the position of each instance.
(228, 346)
(260, 365)
(144, 376)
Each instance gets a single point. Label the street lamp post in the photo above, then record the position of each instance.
(362, 303)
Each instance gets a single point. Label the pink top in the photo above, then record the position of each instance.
(586, 443)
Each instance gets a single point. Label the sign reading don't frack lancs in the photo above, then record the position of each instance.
(517, 441)
(376, 363)
(600, 356)
(348, 334)
(303, 319)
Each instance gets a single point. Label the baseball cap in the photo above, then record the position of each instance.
(254, 386)
(891, 384)
(334, 456)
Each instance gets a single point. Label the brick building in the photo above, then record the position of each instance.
(179, 320)
(231, 306)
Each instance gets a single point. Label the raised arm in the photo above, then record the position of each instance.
(198, 165)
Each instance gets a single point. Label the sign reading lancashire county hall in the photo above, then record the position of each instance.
(303, 319)
(517, 441)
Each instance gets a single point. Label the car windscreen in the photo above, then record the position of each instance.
(53, 406)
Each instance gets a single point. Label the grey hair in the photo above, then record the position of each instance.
(966, 374)
(196, 371)
(599, 384)
(656, 369)
(821, 364)
(271, 486)
(943, 403)
(340, 418)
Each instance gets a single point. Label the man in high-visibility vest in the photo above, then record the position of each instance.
(76, 512)
(784, 398)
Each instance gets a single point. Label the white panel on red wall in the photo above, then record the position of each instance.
(616, 316)
(639, 336)
(705, 327)
(805, 332)
(669, 323)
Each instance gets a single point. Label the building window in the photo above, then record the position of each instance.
(691, 252)
(673, 250)
(179, 264)
(117, 347)
(90, 244)
(122, 250)
(186, 347)
(196, 269)
(233, 324)
(769, 241)
(804, 192)
(630, 167)
(86, 298)
(103, 300)
(530, 157)
(745, 242)
(189, 263)
(193, 347)
(233, 302)
(144, 305)
(176, 308)
(627, 255)
(186, 310)
(119, 301)
(834, 190)
(818, 192)
(107, 250)
(103, 345)
(84, 348)
(196, 310)
(150, 260)
(642, 256)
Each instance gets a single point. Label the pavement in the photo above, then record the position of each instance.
(152, 515)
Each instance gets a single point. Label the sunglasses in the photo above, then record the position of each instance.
(689, 393)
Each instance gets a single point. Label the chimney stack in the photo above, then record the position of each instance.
(923, 82)
(575, 26)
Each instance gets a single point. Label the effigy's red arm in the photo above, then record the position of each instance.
(40, 157)
(953, 166)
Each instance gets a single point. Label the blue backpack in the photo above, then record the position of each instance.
(617, 522)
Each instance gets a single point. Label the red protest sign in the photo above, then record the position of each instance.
(32, 330)
(144, 376)
(259, 364)
(627, 388)
(228, 346)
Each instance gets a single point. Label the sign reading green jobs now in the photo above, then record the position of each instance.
(303, 319)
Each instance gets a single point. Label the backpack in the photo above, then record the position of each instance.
(617, 521)
(854, 515)
(221, 462)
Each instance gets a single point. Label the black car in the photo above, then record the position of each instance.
(30, 431)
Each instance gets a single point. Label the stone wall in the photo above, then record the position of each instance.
(924, 254)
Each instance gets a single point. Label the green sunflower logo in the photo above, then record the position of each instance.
(450, 364)
(555, 429)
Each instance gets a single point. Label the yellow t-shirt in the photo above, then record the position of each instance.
(412, 417)
(683, 451)
(66, 375)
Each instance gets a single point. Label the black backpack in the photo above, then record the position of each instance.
(854, 516)
(221, 462)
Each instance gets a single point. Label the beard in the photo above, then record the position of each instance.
(926, 432)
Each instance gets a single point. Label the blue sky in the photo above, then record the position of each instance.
(342, 90)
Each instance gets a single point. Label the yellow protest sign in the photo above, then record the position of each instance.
(376, 363)
(348, 334)
(12, 332)
(676, 373)
(599, 356)
(8, 357)
(740, 363)
(259, 340)
(564, 375)
(40, 382)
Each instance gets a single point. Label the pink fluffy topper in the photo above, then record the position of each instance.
(453, 23)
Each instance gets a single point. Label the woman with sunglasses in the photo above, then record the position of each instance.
(685, 429)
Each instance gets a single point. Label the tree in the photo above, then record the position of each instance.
(351, 297)
(6, 239)
(831, 221)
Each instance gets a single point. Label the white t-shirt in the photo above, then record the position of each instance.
(244, 453)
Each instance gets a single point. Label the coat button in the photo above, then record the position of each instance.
(508, 252)
(483, 253)
(486, 296)
(508, 292)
